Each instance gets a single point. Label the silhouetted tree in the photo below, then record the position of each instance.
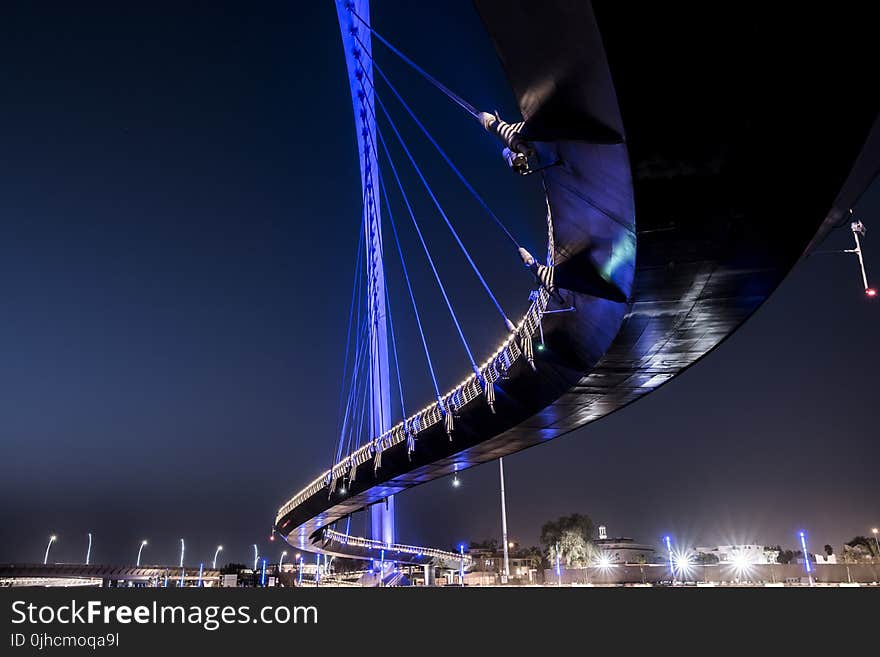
(232, 569)
(552, 531)
(829, 550)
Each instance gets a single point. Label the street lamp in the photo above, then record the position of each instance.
(256, 557)
(89, 549)
(807, 565)
(216, 552)
(874, 531)
(281, 560)
(140, 549)
(52, 539)
(182, 546)
(668, 542)
(506, 573)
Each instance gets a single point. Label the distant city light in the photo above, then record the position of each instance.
(683, 560)
(603, 561)
(742, 564)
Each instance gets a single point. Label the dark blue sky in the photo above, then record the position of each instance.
(179, 202)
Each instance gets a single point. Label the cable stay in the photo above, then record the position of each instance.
(488, 387)
(440, 150)
(518, 152)
(458, 100)
(507, 323)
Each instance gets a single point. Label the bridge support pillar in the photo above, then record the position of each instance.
(429, 575)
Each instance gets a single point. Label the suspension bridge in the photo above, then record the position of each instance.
(683, 174)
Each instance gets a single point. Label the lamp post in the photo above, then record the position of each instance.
(216, 552)
(299, 575)
(140, 549)
(874, 531)
(256, 557)
(461, 564)
(668, 542)
(89, 549)
(506, 572)
(181, 562)
(807, 565)
(52, 539)
(281, 560)
(558, 569)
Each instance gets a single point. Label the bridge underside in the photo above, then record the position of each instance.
(743, 142)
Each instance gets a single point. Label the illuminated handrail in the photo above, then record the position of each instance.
(464, 393)
(395, 547)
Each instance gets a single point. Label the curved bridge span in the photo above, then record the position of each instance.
(691, 171)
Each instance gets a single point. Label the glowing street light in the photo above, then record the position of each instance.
(52, 539)
(858, 228)
(807, 565)
(741, 563)
(281, 560)
(683, 563)
(461, 563)
(256, 557)
(668, 541)
(216, 552)
(89, 549)
(141, 549)
(182, 546)
(603, 562)
(874, 531)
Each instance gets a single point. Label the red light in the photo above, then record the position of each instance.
(871, 292)
(272, 537)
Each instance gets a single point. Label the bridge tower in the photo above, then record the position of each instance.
(356, 37)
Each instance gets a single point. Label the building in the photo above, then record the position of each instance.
(750, 553)
(622, 550)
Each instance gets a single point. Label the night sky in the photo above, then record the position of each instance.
(179, 207)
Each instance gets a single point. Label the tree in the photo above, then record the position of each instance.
(232, 568)
(574, 550)
(490, 545)
(829, 550)
(703, 558)
(864, 544)
(784, 556)
(552, 530)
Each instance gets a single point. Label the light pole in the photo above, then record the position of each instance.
(506, 572)
(299, 575)
(858, 228)
(874, 531)
(461, 564)
(668, 542)
(140, 549)
(89, 549)
(807, 565)
(256, 557)
(281, 561)
(558, 569)
(216, 552)
(182, 547)
(52, 539)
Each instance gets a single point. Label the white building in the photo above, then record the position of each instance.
(749, 553)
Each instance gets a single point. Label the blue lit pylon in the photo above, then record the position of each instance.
(360, 77)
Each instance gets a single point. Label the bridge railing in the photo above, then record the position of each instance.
(357, 541)
(465, 392)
